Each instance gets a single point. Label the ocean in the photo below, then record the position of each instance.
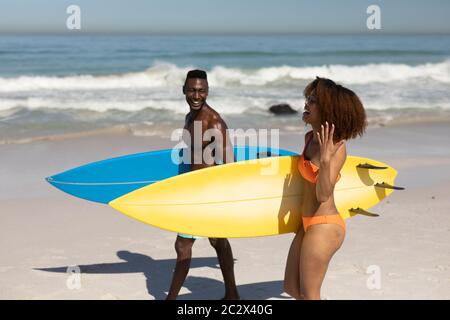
(54, 85)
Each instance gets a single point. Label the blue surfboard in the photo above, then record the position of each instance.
(106, 180)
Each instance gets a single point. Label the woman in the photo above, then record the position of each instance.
(335, 114)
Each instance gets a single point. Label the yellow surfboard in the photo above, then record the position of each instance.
(250, 198)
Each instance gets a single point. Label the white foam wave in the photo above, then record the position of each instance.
(166, 75)
(363, 74)
(223, 104)
(91, 104)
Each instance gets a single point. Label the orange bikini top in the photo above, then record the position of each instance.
(307, 169)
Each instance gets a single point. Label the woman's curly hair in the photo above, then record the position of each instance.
(340, 106)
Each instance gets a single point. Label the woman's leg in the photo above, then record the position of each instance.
(292, 272)
(320, 243)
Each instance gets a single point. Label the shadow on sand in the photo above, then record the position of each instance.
(158, 274)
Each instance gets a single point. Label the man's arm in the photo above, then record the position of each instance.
(217, 141)
(224, 149)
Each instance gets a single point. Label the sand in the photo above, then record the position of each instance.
(44, 231)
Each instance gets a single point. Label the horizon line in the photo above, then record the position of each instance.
(143, 33)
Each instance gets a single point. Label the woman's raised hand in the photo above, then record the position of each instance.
(327, 146)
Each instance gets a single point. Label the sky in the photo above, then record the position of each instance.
(230, 16)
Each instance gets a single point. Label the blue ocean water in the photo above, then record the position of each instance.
(59, 84)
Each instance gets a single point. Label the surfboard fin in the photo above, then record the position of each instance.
(370, 166)
(363, 212)
(261, 155)
(388, 186)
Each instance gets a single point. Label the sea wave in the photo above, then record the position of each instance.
(167, 75)
(22, 125)
(325, 53)
(236, 103)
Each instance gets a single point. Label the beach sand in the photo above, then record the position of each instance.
(44, 231)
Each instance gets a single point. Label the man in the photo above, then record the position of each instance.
(201, 114)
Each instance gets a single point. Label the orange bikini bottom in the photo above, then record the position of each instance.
(334, 219)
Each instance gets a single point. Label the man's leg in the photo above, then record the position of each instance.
(183, 247)
(225, 255)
